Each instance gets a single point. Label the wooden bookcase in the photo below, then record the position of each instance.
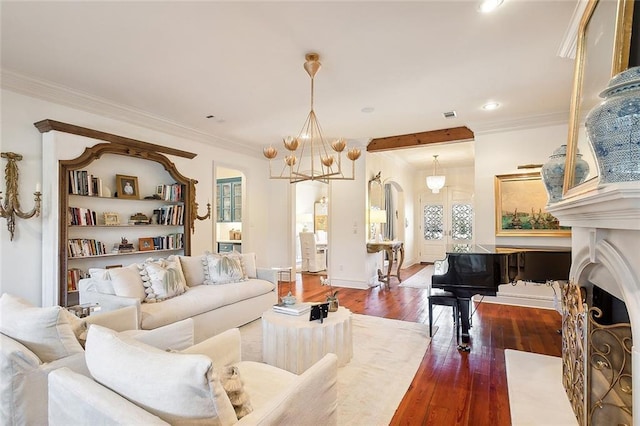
(151, 169)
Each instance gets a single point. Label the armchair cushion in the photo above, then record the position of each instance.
(45, 331)
(178, 388)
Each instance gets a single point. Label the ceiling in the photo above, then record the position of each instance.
(169, 65)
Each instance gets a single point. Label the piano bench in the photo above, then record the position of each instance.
(444, 298)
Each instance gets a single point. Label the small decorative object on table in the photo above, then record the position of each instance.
(332, 296)
(84, 310)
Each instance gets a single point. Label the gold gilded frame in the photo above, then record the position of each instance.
(621, 28)
(520, 208)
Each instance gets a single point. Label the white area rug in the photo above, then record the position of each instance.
(421, 279)
(386, 356)
(536, 394)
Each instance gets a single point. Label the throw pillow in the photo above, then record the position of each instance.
(223, 269)
(233, 385)
(249, 264)
(45, 331)
(127, 281)
(162, 279)
(179, 388)
(192, 269)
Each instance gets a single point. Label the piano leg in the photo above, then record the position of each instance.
(463, 311)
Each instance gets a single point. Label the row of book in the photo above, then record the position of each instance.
(84, 247)
(171, 192)
(171, 241)
(83, 183)
(73, 276)
(79, 216)
(170, 215)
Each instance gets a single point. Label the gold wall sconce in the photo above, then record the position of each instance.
(207, 216)
(10, 208)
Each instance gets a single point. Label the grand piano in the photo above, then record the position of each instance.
(470, 270)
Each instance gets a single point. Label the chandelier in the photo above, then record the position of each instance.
(310, 156)
(435, 182)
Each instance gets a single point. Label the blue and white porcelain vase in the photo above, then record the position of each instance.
(552, 173)
(614, 129)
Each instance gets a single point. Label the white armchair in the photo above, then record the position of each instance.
(314, 257)
(189, 390)
(36, 341)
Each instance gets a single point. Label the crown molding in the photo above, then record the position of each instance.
(63, 95)
(523, 123)
(569, 43)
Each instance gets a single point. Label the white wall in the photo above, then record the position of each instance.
(21, 259)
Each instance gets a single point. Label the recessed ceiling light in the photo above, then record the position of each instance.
(490, 106)
(368, 110)
(487, 6)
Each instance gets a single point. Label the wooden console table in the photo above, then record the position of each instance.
(391, 248)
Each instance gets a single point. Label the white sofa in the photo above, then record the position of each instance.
(126, 388)
(35, 341)
(214, 308)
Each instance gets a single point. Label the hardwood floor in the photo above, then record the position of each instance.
(451, 387)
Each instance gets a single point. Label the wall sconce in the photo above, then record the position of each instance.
(10, 208)
(207, 216)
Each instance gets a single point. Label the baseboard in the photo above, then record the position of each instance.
(524, 294)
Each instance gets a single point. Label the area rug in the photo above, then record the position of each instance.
(421, 279)
(536, 394)
(386, 356)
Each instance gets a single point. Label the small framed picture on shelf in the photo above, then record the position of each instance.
(145, 244)
(127, 187)
(111, 219)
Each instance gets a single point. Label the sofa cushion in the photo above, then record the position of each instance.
(200, 299)
(249, 264)
(193, 269)
(163, 279)
(44, 331)
(179, 388)
(223, 269)
(127, 281)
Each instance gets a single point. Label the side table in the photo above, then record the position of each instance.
(294, 343)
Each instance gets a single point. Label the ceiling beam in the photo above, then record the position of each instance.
(420, 139)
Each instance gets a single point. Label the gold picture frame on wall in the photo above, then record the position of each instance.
(602, 51)
(520, 208)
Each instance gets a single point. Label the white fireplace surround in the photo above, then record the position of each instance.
(605, 241)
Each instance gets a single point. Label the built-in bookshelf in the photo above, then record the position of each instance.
(102, 225)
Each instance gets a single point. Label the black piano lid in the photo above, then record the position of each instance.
(494, 249)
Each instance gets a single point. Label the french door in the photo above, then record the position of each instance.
(445, 218)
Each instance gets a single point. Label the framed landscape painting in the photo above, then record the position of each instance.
(520, 208)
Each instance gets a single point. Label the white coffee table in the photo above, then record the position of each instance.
(294, 343)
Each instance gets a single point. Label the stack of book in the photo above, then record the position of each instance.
(297, 309)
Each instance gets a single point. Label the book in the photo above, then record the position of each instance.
(297, 309)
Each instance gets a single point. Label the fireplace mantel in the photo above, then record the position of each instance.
(613, 206)
(605, 247)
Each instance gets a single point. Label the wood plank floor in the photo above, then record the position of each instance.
(451, 387)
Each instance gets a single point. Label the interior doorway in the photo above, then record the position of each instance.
(311, 214)
(229, 199)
